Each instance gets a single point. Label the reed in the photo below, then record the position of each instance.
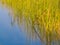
(41, 18)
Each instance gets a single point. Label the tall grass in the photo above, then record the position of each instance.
(41, 18)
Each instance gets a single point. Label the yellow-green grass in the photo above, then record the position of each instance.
(40, 17)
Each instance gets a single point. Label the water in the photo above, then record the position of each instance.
(11, 34)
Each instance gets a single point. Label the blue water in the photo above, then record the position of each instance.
(11, 35)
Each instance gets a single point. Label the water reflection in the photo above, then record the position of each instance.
(11, 35)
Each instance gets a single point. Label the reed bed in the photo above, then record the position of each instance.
(41, 18)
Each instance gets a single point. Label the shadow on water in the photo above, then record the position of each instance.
(11, 35)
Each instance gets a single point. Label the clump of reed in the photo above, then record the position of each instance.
(41, 18)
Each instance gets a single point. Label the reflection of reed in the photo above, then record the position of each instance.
(41, 18)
